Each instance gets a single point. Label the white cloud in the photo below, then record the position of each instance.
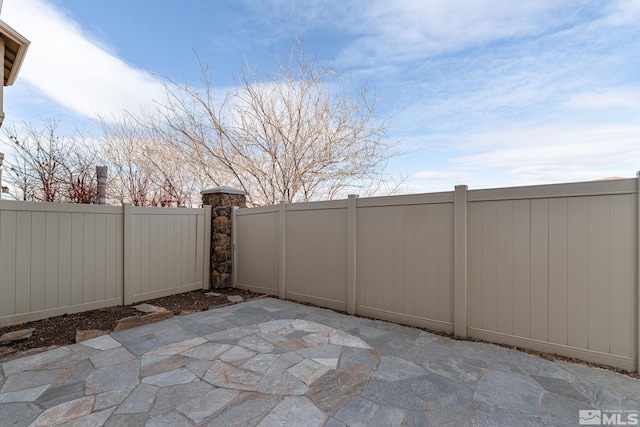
(386, 32)
(441, 179)
(556, 153)
(71, 69)
(537, 149)
(406, 30)
(628, 97)
(623, 12)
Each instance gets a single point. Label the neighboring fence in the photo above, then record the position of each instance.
(552, 268)
(60, 258)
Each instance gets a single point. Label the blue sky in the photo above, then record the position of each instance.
(487, 93)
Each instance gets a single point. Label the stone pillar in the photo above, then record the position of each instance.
(222, 200)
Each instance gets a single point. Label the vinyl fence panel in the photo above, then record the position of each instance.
(558, 273)
(167, 249)
(257, 237)
(405, 262)
(553, 268)
(58, 258)
(316, 247)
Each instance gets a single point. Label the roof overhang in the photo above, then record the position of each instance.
(15, 48)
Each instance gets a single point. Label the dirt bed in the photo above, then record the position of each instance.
(61, 330)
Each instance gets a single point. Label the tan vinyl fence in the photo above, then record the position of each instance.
(552, 268)
(58, 258)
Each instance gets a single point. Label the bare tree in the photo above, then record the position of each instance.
(146, 171)
(49, 168)
(300, 134)
(23, 181)
(79, 177)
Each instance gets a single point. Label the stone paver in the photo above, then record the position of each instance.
(510, 391)
(104, 342)
(139, 401)
(65, 412)
(22, 334)
(26, 395)
(358, 412)
(294, 411)
(113, 377)
(174, 377)
(270, 363)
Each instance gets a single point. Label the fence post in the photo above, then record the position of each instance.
(206, 272)
(282, 210)
(638, 272)
(127, 253)
(234, 270)
(460, 261)
(351, 253)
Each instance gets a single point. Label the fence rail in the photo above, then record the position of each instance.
(60, 258)
(552, 267)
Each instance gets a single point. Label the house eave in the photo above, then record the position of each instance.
(16, 46)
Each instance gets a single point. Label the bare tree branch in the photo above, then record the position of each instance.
(147, 171)
(49, 168)
(298, 134)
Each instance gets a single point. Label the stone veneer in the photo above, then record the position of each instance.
(222, 200)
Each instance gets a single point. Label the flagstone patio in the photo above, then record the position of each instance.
(268, 362)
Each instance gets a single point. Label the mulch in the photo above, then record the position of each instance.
(61, 330)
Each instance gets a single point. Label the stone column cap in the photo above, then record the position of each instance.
(223, 189)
